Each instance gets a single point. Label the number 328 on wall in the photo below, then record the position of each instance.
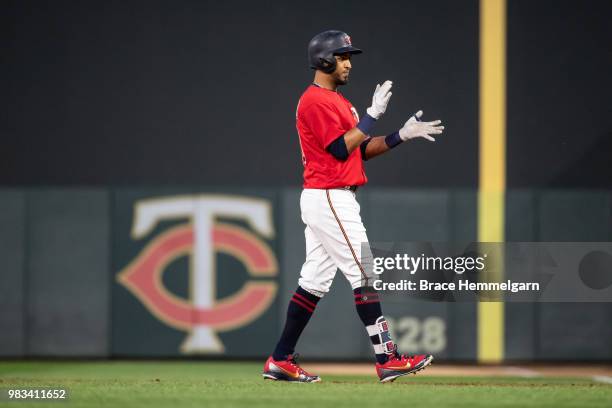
(414, 335)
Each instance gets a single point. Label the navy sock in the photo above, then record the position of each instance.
(300, 310)
(369, 310)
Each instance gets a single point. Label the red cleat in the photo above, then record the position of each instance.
(399, 365)
(287, 370)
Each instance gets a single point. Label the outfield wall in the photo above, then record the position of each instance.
(140, 272)
(159, 92)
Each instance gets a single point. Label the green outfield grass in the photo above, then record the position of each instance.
(218, 384)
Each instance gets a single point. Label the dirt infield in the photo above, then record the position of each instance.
(603, 372)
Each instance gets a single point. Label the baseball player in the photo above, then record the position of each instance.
(334, 143)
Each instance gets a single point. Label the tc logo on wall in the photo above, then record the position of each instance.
(201, 238)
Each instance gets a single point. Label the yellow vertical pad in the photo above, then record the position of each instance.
(492, 183)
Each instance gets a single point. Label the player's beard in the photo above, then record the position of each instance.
(341, 79)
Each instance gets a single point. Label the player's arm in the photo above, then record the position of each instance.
(373, 147)
(345, 144)
(413, 128)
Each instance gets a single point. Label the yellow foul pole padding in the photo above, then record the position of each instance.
(492, 183)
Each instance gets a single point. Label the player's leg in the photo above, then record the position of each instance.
(316, 277)
(315, 280)
(344, 238)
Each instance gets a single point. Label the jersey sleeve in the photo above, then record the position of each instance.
(323, 121)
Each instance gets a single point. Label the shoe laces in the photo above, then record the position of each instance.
(405, 356)
(293, 360)
(396, 355)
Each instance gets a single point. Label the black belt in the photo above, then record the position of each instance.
(350, 188)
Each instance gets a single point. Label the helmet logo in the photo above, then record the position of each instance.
(347, 40)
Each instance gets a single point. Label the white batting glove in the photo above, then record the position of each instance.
(415, 128)
(380, 100)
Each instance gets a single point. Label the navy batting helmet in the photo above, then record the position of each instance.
(325, 45)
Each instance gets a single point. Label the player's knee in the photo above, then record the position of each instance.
(363, 289)
(358, 282)
(314, 289)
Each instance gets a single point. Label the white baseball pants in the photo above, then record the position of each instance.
(335, 239)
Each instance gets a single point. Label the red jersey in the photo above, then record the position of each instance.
(323, 116)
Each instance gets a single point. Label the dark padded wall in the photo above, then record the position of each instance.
(205, 92)
(13, 332)
(559, 105)
(540, 330)
(67, 270)
(172, 92)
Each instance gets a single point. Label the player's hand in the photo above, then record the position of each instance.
(415, 128)
(380, 100)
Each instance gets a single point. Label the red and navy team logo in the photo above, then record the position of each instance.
(203, 315)
(347, 40)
